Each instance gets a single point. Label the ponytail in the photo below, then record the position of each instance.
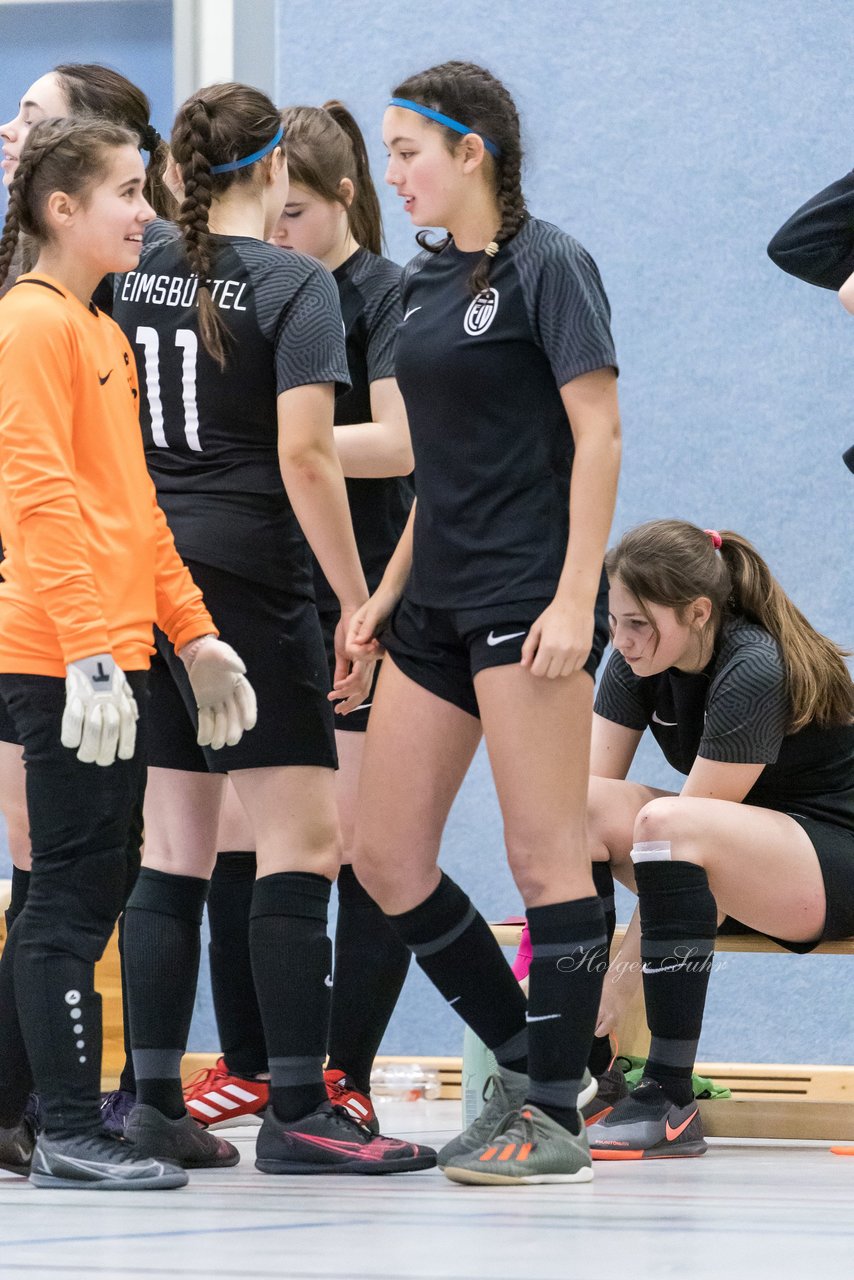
(671, 563)
(818, 680)
(364, 210)
(325, 144)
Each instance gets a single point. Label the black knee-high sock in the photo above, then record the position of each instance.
(569, 958)
(127, 1079)
(162, 944)
(603, 880)
(678, 926)
(60, 1015)
(292, 968)
(455, 947)
(16, 1079)
(371, 964)
(238, 1018)
(18, 896)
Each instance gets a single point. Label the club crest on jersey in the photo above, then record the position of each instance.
(481, 312)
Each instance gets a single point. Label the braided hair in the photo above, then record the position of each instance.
(474, 96)
(59, 155)
(325, 144)
(94, 90)
(215, 126)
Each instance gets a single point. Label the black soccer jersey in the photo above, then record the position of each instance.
(736, 711)
(369, 290)
(481, 379)
(211, 435)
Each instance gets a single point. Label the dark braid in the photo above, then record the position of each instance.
(472, 95)
(193, 220)
(216, 126)
(58, 155)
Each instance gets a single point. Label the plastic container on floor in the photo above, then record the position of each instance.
(407, 1080)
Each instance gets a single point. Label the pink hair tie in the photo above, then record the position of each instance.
(716, 538)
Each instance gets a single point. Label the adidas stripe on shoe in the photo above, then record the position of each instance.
(217, 1099)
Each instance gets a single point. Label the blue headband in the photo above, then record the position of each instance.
(445, 120)
(256, 155)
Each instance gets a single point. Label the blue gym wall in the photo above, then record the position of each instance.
(134, 37)
(672, 137)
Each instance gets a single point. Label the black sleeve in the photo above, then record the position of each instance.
(747, 709)
(383, 324)
(572, 313)
(817, 243)
(618, 697)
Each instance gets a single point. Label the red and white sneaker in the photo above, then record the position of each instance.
(216, 1099)
(343, 1093)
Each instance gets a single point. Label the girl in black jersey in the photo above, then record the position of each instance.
(816, 244)
(240, 347)
(81, 90)
(492, 609)
(332, 214)
(757, 710)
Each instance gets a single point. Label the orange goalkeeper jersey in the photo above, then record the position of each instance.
(90, 562)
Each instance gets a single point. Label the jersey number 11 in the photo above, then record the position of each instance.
(149, 340)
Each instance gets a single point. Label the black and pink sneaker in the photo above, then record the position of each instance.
(329, 1140)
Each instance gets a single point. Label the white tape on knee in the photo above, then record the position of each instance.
(651, 851)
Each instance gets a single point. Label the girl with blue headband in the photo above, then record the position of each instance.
(493, 611)
(240, 348)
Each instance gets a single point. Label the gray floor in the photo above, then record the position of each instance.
(743, 1210)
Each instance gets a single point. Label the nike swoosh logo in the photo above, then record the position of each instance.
(672, 1134)
(541, 1017)
(410, 312)
(668, 724)
(492, 638)
(664, 968)
(104, 379)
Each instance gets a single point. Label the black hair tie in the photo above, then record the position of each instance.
(150, 139)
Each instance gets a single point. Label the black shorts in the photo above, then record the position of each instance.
(8, 732)
(278, 637)
(356, 721)
(834, 846)
(442, 650)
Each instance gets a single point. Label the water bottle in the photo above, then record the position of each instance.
(478, 1065)
(406, 1080)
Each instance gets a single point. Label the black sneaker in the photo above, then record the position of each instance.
(18, 1144)
(98, 1162)
(647, 1125)
(329, 1140)
(182, 1141)
(116, 1107)
(612, 1088)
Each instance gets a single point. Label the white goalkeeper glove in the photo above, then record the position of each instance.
(224, 697)
(100, 711)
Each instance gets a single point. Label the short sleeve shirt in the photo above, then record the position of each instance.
(369, 291)
(211, 435)
(736, 712)
(481, 378)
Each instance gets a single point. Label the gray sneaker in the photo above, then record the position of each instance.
(99, 1162)
(182, 1141)
(502, 1093)
(647, 1126)
(531, 1147)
